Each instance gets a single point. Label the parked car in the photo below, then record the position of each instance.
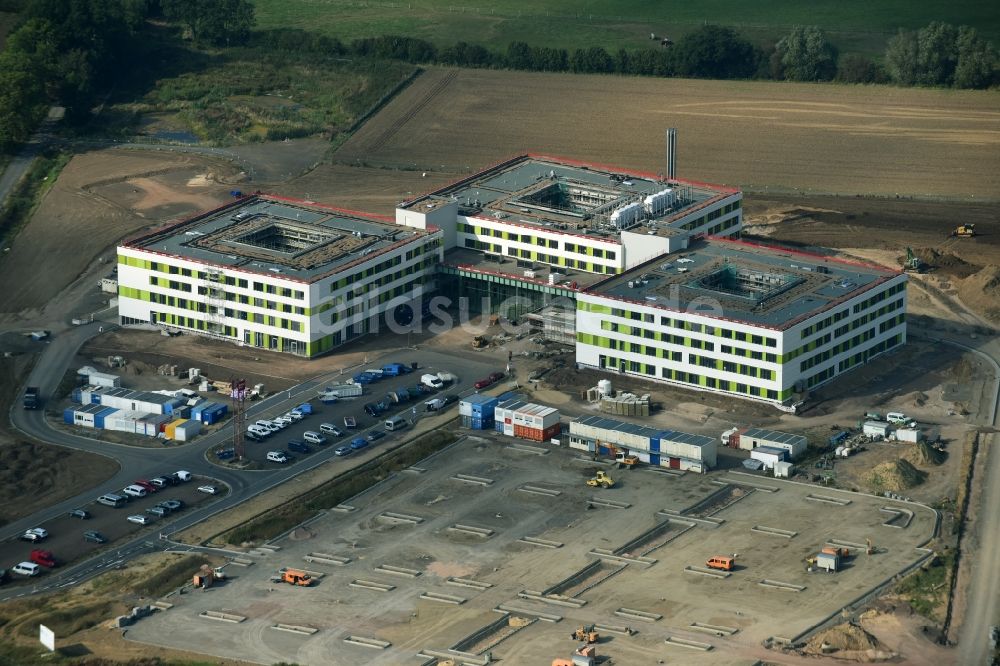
(299, 446)
(172, 504)
(489, 381)
(208, 490)
(225, 454)
(139, 519)
(150, 488)
(26, 569)
(341, 450)
(277, 457)
(253, 436)
(94, 537)
(82, 514)
(331, 429)
(35, 534)
(157, 511)
(314, 437)
(359, 443)
(159, 482)
(183, 475)
(295, 416)
(43, 557)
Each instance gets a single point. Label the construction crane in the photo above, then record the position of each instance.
(964, 231)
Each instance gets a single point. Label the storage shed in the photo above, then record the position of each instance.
(92, 377)
(752, 438)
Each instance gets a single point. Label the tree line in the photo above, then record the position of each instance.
(74, 53)
(939, 54)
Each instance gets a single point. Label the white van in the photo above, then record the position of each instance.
(395, 423)
(113, 499)
(313, 437)
(27, 569)
(135, 491)
(898, 418)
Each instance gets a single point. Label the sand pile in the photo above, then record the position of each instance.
(894, 476)
(981, 292)
(843, 637)
(924, 454)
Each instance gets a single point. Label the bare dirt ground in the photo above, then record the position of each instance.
(100, 197)
(802, 137)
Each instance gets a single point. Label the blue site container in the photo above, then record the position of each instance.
(199, 408)
(77, 396)
(100, 416)
(213, 414)
(68, 415)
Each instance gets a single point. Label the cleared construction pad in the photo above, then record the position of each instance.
(462, 568)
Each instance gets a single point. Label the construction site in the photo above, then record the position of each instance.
(495, 549)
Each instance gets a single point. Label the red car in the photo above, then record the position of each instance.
(44, 558)
(489, 381)
(150, 488)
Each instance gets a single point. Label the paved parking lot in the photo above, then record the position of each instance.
(389, 564)
(66, 540)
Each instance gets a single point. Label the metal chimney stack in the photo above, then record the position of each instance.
(672, 153)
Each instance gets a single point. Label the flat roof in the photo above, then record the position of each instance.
(299, 240)
(768, 286)
(573, 197)
(772, 450)
(775, 436)
(497, 264)
(646, 431)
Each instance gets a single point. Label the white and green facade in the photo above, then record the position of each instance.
(724, 350)
(307, 309)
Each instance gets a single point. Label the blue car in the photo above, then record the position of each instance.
(299, 447)
(341, 451)
(359, 443)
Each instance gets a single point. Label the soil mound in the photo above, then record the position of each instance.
(945, 262)
(894, 476)
(925, 454)
(840, 638)
(981, 292)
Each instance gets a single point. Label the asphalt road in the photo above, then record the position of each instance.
(136, 463)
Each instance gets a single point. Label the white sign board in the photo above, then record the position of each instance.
(47, 637)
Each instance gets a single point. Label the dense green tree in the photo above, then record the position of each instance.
(977, 60)
(806, 55)
(22, 98)
(901, 58)
(594, 60)
(715, 52)
(937, 54)
(856, 68)
(218, 22)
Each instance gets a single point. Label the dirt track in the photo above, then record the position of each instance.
(821, 138)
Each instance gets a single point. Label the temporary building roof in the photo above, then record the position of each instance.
(775, 436)
(645, 431)
(478, 399)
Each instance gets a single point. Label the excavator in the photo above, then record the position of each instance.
(603, 479)
(914, 264)
(964, 231)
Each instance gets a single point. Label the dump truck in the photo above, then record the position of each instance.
(292, 577)
(625, 459)
(586, 633)
(208, 576)
(602, 479)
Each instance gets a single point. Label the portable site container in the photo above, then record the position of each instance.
(478, 405)
(187, 430)
(151, 424)
(101, 417)
(77, 395)
(68, 415)
(196, 410)
(217, 412)
(666, 448)
(876, 428)
(125, 421)
(95, 378)
(769, 455)
(170, 429)
(912, 435)
(827, 561)
(476, 423)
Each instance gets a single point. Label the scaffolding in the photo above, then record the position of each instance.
(558, 324)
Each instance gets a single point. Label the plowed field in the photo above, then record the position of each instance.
(809, 138)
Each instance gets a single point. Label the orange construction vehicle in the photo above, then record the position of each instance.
(625, 459)
(292, 577)
(722, 562)
(586, 633)
(842, 553)
(207, 577)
